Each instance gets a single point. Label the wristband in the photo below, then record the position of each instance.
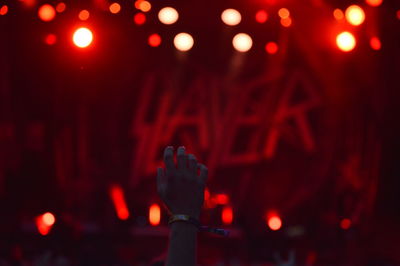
(195, 222)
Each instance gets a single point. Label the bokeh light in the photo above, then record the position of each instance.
(286, 22)
(154, 40)
(283, 13)
(115, 8)
(271, 47)
(346, 41)
(274, 222)
(374, 2)
(242, 42)
(261, 16)
(375, 43)
(143, 6)
(227, 215)
(139, 18)
(154, 214)
(48, 219)
(355, 15)
(60, 7)
(3, 10)
(338, 14)
(345, 223)
(82, 37)
(50, 39)
(231, 17)
(84, 15)
(168, 15)
(183, 42)
(46, 12)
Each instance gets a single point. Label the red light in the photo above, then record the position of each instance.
(154, 40)
(115, 8)
(82, 37)
(60, 7)
(355, 15)
(84, 15)
(45, 222)
(3, 10)
(345, 223)
(139, 18)
(118, 198)
(338, 14)
(222, 199)
(206, 194)
(227, 215)
(274, 221)
(271, 48)
(261, 16)
(46, 12)
(50, 39)
(283, 13)
(48, 219)
(143, 6)
(346, 41)
(375, 43)
(374, 2)
(286, 22)
(398, 14)
(154, 214)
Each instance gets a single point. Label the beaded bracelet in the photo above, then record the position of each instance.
(186, 218)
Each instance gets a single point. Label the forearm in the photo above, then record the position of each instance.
(182, 244)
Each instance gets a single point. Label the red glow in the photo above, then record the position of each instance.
(375, 43)
(60, 7)
(206, 194)
(271, 48)
(345, 224)
(374, 2)
(283, 13)
(286, 22)
(84, 15)
(50, 39)
(154, 214)
(118, 198)
(355, 15)
(46, 12)
(144, 6)
(115, 8)
(261, 16)
(48, 219)
(274, 221)
(82, 37)
(227, 215)
(139, 18)
(3, 10)
(346, 41)
(154, 40)
(338, 14)
(398, 14)
(222, 199)
(45, 222)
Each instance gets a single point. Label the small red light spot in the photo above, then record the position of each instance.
(46, 12)
(60, 7)
(345, 223)
(227, 215)
(154, 40)
(50, 39)
(261, 16)
(286, 22)
(3, 10)
(118, 198)
(375, 43)
(154, 214)
(222, 199)
(139, 18)
(48, 219)
(283, 13)
(274, 222)
(271, 48)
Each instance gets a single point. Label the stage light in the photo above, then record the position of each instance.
(139, 18)
(168, 15)
(283, 13)
(50, 39)
(345, 223)
(338, 14)
(183, 42)
(271, 47)
(346, 41)
(144, 6)
(154, 40)
(82, 37)
(375, 43)
(115, 8)
(46, 12)
(374, 2)
(84, 15)
(154, 214)
(242, 42)
(60, 7)
(48, 219)
(118, 198)
(3, 10)
(274, 222)
(231, 17)
(261, 16)
(227, 215)
(355, 15)
(286, 22)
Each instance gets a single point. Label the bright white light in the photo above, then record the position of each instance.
(83, 37)
(242, 42)
(183, 42)
(231, 17)
(168, 15)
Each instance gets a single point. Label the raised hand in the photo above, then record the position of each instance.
(180, 186)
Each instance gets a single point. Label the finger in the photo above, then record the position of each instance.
(192, 163)
(161, 181)
(169, 160)
(182, 158)
(203, 173)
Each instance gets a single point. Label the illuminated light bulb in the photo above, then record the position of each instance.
(82, 37)
(374, 2)
(139, 18)
(154, 214)
(261, 16)
(227, 215)
(338, 14)
(271, 47)
(375, 43)
(242, 42)
(286, 22)
(46, 12)
(231, 17)
(60, 7)
(3, 10)
(346, 41)
(274, 222)
(168, 15)
(283, 13)
(154, 40)
(115, 8)
(355, 15)
(50, 39)
(183, 42)
(84, 15)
